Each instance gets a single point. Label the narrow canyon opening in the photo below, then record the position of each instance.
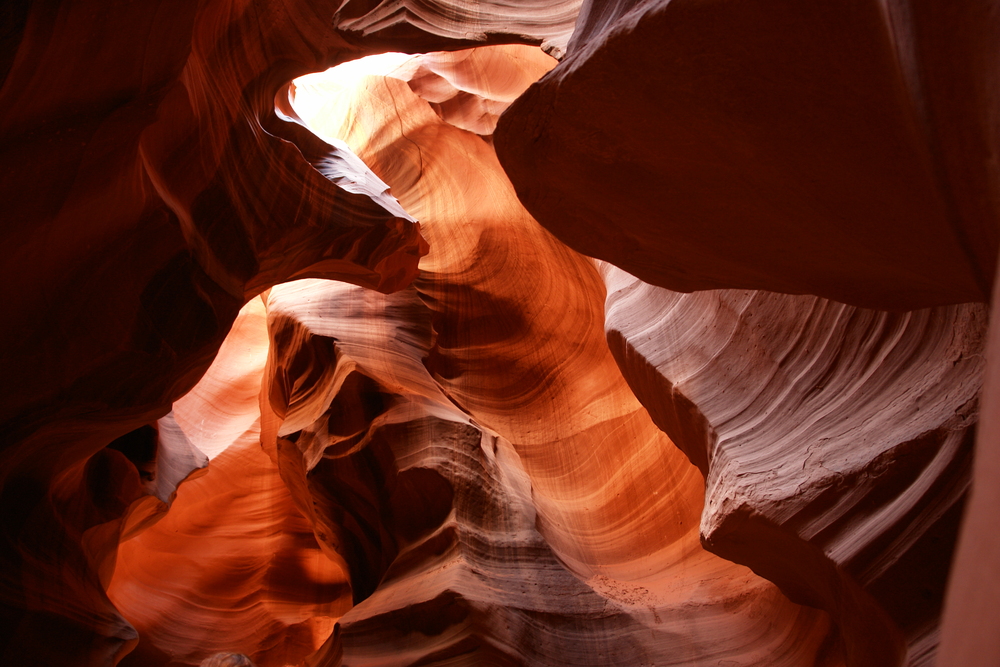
(645, 333)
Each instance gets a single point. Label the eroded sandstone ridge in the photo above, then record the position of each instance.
(481, 447)
(836, 442)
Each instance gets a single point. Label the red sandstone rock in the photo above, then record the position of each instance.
(832, 149)
(233, 565)
(434, 516)
(835, 442)
(464, 460)
(968, 634)
(512, 337)
(149, 191)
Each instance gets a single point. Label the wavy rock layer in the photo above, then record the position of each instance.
(434, 516)
(150, 190)
(232, 566)
(459, 473)
(836, 442)
(151, 205)
(408, 25)
(838, 150)
(500, 342)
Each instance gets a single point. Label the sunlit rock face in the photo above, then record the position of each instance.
(234, 566)
(836, 442)
(482, 447)
(467, 531)
(150, 191)
(437, 516)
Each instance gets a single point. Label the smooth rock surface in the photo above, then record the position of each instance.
(459, 473)
(149, 191)
(838, 149)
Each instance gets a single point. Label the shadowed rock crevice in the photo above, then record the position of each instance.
(477, 447)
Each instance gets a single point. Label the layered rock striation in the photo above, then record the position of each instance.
(150, 190)
(482, 447)
(435, 517)
(836, 442)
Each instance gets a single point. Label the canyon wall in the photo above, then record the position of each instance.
(741, 434)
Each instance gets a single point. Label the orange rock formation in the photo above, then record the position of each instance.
(435, 433)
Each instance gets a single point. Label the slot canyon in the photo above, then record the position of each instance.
(550, 333)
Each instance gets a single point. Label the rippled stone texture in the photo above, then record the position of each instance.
(150, 190)
(434, 515)
(405, 25)
(234, 565)
(512, 340)
(836, 442)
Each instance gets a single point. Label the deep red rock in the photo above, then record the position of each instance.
(459, 473)
(834, 149)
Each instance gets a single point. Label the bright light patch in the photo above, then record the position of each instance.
(312, 91)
